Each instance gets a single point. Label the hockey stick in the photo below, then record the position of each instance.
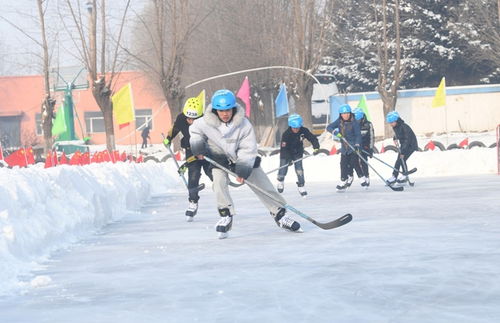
(411, 171)
(191, 190)
(289, 164)
(346, 218)
(397, 189)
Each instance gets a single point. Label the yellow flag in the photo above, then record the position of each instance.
(123, 106)
(201, 97)
(440, 96)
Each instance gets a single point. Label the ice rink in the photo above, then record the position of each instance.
(428, 254)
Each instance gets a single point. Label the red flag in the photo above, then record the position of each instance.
(75, 159)
(63, 160)
(105, 156)
(244, 95)
(13, 159)
(30, 158)
(178, 155)
(1, 152)
(48, 160)
(54, 158)
(382, 150)
(464, 143)
(140, 159)
(333, 151)
(85, 158)
(430, 145)
(94, 158)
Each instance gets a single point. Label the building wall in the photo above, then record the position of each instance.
(468, 108)
(22, 96)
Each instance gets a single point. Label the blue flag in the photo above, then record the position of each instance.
(281, 102)
(335, 103)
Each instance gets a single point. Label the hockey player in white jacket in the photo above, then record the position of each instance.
(226, 136)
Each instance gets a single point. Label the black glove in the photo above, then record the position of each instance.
(316, 151)
(357, 149)
(369, 152)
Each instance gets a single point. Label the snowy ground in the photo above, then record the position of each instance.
(428, 254)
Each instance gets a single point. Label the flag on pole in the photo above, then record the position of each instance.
(123, 106)
(59, 125)
(362, 105)
(281, 102)
(201, 97)
(244, 95)
(440, 96)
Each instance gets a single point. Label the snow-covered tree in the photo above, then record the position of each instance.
(431, 45)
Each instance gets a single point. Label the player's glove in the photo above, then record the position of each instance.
(316, 151)
(166, 141)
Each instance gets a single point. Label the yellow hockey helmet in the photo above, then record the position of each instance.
(193, 108)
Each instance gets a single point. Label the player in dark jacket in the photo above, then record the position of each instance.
(292, 148)
(347, 127)
(367, 142)
(193, 109)
(407, 144)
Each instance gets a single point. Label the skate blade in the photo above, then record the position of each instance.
(223, 235)
(189, 218)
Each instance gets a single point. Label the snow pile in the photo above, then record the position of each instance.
(45, 209)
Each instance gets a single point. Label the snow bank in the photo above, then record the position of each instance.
(45, 209)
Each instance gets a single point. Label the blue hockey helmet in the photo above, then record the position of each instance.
(392, 116)
(223, 100)
(295, 121)
(358, 113)
(345, 108)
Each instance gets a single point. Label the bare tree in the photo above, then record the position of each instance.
(49, 102)
(302, 30)
(389, 55)
(100, 63)
(165, 29)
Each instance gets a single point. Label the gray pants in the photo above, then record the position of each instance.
(258, 177)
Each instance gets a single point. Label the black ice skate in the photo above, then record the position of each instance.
(286, 222)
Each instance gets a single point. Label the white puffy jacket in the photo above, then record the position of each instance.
(225, 142)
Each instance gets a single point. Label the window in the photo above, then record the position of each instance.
(94, 122)
(143, 116)
(38, 124)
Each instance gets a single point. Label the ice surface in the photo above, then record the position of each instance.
(428, 254)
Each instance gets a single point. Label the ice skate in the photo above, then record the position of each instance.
(402, 180)
(286, 222)
(302, 191)
(342, 187)
(224, 224)
(365, 183)
(391, 181)
(191, 211)
(280, 187)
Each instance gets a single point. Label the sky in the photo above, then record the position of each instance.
(109, 242)
(20, 54)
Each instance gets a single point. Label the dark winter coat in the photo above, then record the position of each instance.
(407, 139)
(367, 135)
(292, 144)
(145, 132)
(350, 130)
(181, 125)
